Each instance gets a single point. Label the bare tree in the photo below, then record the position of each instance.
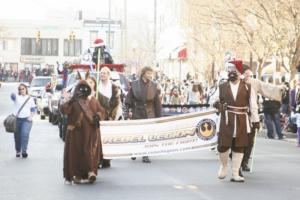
(265, 27)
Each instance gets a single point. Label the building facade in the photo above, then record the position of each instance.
(36, 44)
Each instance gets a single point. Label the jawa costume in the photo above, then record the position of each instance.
(82, 143)
(236, 102)
(112, 105)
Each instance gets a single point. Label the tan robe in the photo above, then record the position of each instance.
(267, 90)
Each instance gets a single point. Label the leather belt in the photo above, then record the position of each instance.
(236, 110)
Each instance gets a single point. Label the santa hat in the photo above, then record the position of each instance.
(98, 42)
(238, 65)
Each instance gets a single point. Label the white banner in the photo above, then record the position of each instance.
(149, 137)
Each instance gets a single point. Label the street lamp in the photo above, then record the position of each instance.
(134, 46)
(38, 36)
(72, 36)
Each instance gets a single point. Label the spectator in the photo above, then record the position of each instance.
(195, 95)
(285, 107)
(272, 115)
(24, 119)
(175, 98)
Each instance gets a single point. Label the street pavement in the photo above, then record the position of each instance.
(185, 176)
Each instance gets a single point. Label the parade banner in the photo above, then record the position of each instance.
(151, 137)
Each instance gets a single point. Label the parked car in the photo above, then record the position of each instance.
(38, 85)
(37, 90)
(42, 104)
(73, 78)
(53, 98)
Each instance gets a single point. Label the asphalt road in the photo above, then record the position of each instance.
(185, 176)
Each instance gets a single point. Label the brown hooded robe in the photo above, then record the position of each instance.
(83, 140)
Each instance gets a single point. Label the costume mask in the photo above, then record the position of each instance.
(83, 91)
(232, 76)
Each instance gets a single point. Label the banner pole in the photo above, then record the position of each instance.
(253, 151)
(98, 69)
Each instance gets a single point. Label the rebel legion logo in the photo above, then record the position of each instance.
(206, 129)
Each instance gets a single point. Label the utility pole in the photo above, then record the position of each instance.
(154, 33)
(125, 32)
(109, 20)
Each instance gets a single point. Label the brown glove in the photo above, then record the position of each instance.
(256, 125)
(217, 105)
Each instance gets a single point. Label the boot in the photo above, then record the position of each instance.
(77, 179)
(105, 163)
(223, 167)
(146, 159)
(245, 168)
(236, 164)
(240, 172)
(91, 177)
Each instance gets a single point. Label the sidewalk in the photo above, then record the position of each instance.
(290, 137)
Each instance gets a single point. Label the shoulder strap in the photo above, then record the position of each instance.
(23, 106)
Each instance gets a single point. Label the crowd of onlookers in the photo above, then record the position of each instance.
(187, 91)
(6, 75)
(279, 117)
(24, 75)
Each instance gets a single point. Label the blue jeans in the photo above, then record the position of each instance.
(22, 134)
(269, 119)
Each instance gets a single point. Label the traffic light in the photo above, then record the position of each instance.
(38, 36)
(72, 36)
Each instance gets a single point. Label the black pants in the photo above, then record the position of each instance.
(233, 147)
(248, 149)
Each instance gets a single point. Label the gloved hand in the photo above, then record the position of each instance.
(217, 105)
(256, 125)
(96, 120)
(220, 107)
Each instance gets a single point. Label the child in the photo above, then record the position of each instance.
(297, 117)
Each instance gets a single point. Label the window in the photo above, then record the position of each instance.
(43, 47)
(72, 47)
(111, 35)
(93, 37)
(3, 45)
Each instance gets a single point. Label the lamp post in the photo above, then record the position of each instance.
(134, 46)
(251, 52)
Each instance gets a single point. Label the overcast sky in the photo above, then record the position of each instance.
(41, 9)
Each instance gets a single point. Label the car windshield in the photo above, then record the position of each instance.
(40, 82)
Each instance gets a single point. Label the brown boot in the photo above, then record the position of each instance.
(91, 177)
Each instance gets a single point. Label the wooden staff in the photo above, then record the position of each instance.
(98, 69)
(253, 151)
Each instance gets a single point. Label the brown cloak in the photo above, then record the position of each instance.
(83, 140)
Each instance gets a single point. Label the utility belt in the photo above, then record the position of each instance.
(236, 110)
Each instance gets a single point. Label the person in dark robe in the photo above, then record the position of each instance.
(82, 143)
(143, 99)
